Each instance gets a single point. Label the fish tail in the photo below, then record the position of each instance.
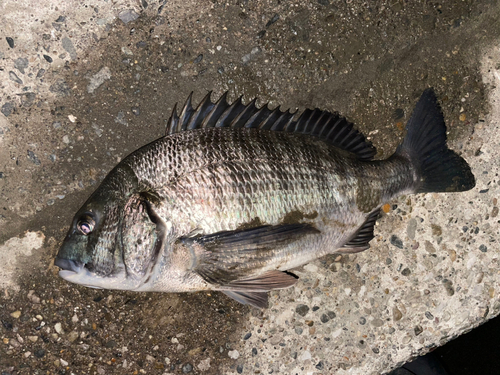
(438, 169)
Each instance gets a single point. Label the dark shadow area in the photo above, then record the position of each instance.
(473, 353)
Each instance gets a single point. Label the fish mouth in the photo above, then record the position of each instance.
(76, 272)
(73, 271)
(68, 266)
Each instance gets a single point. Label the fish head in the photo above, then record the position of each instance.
(113, 243)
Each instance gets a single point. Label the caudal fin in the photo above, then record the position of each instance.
(438, 168)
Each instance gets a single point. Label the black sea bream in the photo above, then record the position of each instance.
(234, 195)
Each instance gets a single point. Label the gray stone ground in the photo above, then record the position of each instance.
(85, 83)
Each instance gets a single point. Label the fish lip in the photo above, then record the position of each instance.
(68, 265)
(82, 276)
(76, 272)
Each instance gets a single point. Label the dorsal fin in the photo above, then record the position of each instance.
(329, 127)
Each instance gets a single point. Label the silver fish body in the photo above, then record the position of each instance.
(227, 203)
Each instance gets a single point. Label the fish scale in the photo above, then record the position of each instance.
(304, 184)
(234, 195)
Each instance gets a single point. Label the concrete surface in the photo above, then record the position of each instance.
(85, 83)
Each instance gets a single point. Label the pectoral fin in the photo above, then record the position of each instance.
(230, 261)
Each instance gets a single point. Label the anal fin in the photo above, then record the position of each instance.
(360, 241)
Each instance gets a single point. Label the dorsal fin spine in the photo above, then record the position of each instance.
(241, 119)
(172, 121)
(330, 127)
(216, 112)
(201, 111)
(186, 112)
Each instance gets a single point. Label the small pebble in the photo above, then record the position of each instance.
(204, 365)
(483, 248)
(418, 330)
(234, 354)
(187, 368)
(7, 109)
(362, 321)
(13, 77)
(58, 328)
(396, 314)
(98, 79)
(39, 353)
(33, 158)
(128, 15)
(448, 285)
(10, 41)
(67, 44)
(60, 87)
(494, 212)
(72, 336)
(411, 228)
(239, 369)
(406, 272)
(302, 310)
(127, 51)
(21, 64)
(377, 322)
(275, 18)
(428, 315)
(198, 59)
(16, 314)
(254, 352)
(112, 344)
(247, 336)
(396, 241)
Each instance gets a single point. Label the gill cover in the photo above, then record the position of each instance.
(142, 236)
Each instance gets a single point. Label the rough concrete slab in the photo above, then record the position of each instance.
(431, 273)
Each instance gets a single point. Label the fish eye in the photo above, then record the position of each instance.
(86, 225)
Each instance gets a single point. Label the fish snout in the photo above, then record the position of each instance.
(68, 265)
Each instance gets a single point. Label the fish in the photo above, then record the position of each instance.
(234, 197)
